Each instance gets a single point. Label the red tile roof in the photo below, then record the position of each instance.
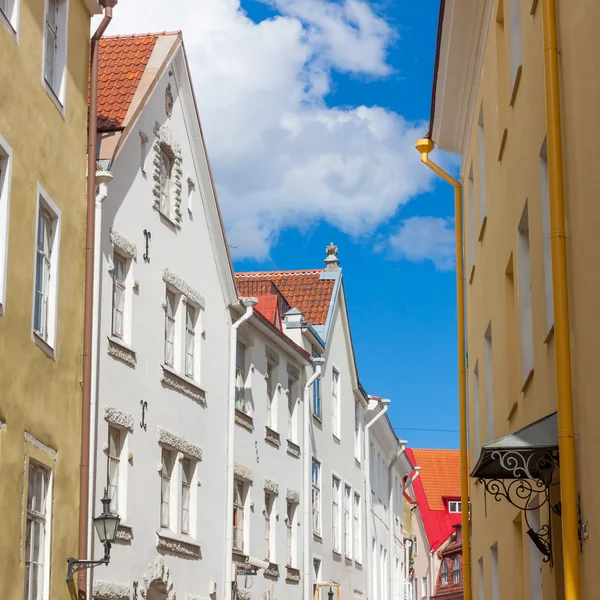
(303, 290)
(439, 479)
(121, 64)
(268, 307)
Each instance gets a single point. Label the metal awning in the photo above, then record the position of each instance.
(530, 453)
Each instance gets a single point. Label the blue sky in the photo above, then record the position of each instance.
(310, 110)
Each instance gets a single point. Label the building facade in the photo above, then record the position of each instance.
(163, 358)
(43, 132)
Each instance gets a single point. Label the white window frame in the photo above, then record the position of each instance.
(120, 286)
(165, 173)
(57, 89)
(271, 391)
(317, 399)
(292, 432)
(454, 506)
(424, 590)
(456, 570)
(291, 546)
(316, 499)
(10, 17)
(357, 527)
(166, 488)
(186, 485)
(239, 510)
(171, 337)
(336, 513)
(348, 500)
(190, 354)
(241, 373)
(5, 179)
(47, 340)
(525, 295)
(335, 402)
(270, 533)
(119, 458)
(358, 431)
(444, 573)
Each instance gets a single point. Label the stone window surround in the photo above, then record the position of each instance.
(164, 142)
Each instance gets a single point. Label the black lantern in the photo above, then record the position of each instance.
(107, 525)
(330, 593)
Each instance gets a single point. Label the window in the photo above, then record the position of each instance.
(190, 339)
(335, 514)
(115, 447)
(471, 192)
(55, 46)
(494, 572)
(291, 533)
(269, 527)
(357, 431)
(454, 506)
(357, 529)
(170, 312)
(489, 384)
(271, 405)
(191, 189)
(347, 521)
(480, 580)
(424, 587)
(335, 402)
(456, 570)
(515, 40)
(9, 12)
(165, 488)
(186, 482)
(120, 265)
(481, 158)
(545, 193)
(5, 170)
(238, 515)
(316, 496)
(444, 573)
(316, 392)
(292, 417)
(316, 573)
(525, 295)
(240, 379)
(476, 408)
(46, 270)
(164, 174)
(37, 539)
(383, 572)
(372, 467)
(415, 545)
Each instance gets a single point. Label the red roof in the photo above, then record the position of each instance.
(438, 481)
(121, 64)
(304, 290)
(268, 307)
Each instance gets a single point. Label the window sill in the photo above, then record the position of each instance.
(182, 545)
(54, 97)
(502, 144)
(472, 274)
(124, 533)
(336, 552)
(167, 220)
(336, 438)
(272, 437)
(41, 343)
(182, 384)
(317, 418)
(243, 420)
(272, 570)
(549, 335)
(293, 449)
(318, 537)
(482, 229)
(515, 87)
(118, 349)
(528, 380)
(533, 7)
(292, 574)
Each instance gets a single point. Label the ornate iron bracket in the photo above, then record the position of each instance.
(148, 237)
(143, 423)
(74, 565)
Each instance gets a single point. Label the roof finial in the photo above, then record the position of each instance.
(332, 261)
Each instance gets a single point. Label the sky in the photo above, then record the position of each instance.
(311, 109)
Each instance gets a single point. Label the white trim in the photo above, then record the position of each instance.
(5, 182)
(59, 96)
(12, 23)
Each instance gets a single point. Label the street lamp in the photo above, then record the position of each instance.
(330, 593)
(106, 526)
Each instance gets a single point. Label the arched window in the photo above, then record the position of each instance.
(456, 570)
(444, 573)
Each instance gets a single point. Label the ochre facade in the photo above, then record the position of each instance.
(40, 388)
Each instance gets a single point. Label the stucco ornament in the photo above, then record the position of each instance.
(121, 243)
(183, 287)
(292, 495)
(117, 417)
(271, 485)
(179, 443)
(332, 250)
(293, 371)
(244, 594)
(243, 472)
(110, 590)
(183, 385)
(164, 142)
(158, 573)
(117, 350)
(169, 100)
(271, 355)
(181, 547)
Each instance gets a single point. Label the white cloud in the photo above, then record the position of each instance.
(281, 157)
(426, 238)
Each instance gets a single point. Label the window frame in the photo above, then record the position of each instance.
(317, 405)
(186, 486)
(165, 174)
(291, 544)
(57, 90)
(348, 522)
(271, 375)
(118, 257)
(456, 570)
(292, 432)
(239, 511)
(357, 431)
(190, 335)
(457, 506)
(270, 529)
(114, 460)
(240, 379)
(316, 498)
(335, 403)
(357, 527)
(5, 181)
(166, 478)
(10, 18)
(336, 514)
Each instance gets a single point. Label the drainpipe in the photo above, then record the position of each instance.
(424, 147)
(318, 361)
(249, 303)
(102, 179)
(84, 467)
(566, 437)
(391, 502)
(368, 502)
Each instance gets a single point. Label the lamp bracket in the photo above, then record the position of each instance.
(74, 565)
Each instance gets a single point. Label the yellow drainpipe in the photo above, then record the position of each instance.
(566, 438)
(424, 147)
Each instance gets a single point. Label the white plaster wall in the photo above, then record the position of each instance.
(188, 252)
(269, 461)
(421, 560)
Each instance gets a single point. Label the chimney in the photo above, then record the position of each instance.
(332, 261)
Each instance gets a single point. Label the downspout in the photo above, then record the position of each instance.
(84, 467)
(391, 502)
(368, 501)
(318, 362)
(405, 486)
(102, 179)
(566, 438)
(249, 303)
(424, 147)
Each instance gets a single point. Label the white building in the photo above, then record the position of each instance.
(165, 285)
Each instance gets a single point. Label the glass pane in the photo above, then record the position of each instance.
(114, 441)
(185, 520)
(50, 56)
(166, 463)
(119, 270)
(38, 542)
(185, 472)
(170, 304)
(28, 540)
(190, 317)
(27, 576)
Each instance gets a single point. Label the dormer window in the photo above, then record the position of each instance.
(444, 574)
(454, 506)
(456, 570)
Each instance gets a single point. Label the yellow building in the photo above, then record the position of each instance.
(44, 58)
(520, 110)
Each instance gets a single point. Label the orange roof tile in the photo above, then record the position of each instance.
(303, 290)
(121, 64)
(440, 474)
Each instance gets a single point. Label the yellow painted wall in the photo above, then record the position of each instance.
(39, 395)
(513, 179)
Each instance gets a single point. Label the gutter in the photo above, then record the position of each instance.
(88, 316)
(436, 66)
(228, 575)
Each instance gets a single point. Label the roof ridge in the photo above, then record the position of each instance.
(136, 35)
(283, 272)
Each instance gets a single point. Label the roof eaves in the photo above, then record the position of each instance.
(436, 65)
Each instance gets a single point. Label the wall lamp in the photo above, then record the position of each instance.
(106, 526)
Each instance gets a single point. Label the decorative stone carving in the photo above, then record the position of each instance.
(169, 101)
(183, 385)
(271, 485)
(181, 286)
(164, 142)
(179, 443)
(110, 590)
(272, 437)
(243, 472)
(292, 575)
(124, 534)
(121, 352)
(181, 547)
(244, 420)
(120, 242)
(272, 570)
(292, 495)
(293, 371)
(117, 417)
(272, 355)
(158, 572)
(293, 449)
(244, 594)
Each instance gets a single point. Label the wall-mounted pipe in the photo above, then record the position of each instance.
(424, 147)
(391, 513)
